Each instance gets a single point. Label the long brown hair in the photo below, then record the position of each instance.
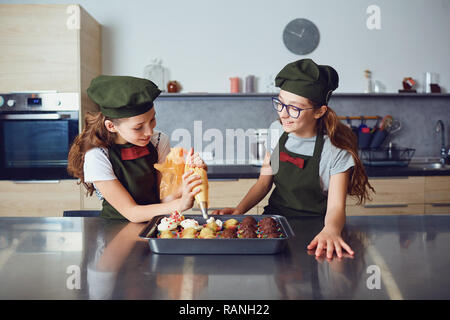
(93, 135)
(343, 137)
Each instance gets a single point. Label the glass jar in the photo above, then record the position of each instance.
(155, 72)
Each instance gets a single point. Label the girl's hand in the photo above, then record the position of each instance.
(331, 240)
(194, 160)
(226, 211)
(189, 190)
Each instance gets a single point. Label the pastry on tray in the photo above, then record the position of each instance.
(267, 222)
(248, 233)
(189, 233)
(176, 226)
(207, 233)
(230, 224)
(190, 224)
(167, 234)
(215, 225)
(229, 233)
(249, 220)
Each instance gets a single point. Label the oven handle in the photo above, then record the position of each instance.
(41, 116)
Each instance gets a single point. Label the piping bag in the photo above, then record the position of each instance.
(202, 196)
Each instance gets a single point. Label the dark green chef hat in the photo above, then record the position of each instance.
(122, 96)
(308, 79)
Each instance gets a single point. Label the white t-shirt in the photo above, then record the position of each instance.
(333, 160)
(97, 166)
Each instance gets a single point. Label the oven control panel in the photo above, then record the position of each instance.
(67, 101)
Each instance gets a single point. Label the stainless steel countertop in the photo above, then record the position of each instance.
(93, 258)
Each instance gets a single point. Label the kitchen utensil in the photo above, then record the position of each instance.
(363, 124)
(391, 156)
(393, 127)
(378, 138)
(364, 137)
(234, 85)
(220, 245)
(377, 125)
(202, 196)
(250, 84)
(386, 121)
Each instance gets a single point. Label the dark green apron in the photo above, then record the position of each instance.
(297, 190)
(137, 175)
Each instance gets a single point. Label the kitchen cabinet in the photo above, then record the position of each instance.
(437, 194)
(49, 47)
(222, 193)
(395, 195)
(43, 199)
(228, 193)
(398, 195)
(89, 202)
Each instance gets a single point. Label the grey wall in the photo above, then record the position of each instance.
(418, 116)
(204, 42)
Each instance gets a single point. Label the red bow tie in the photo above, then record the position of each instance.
(299, 162)
(135, 152)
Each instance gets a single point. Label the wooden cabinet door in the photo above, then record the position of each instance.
(437, 195)
(228, 193)
(399, 195)
(46, 199)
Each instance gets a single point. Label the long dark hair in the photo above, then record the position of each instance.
(93, 135)
(343, 137)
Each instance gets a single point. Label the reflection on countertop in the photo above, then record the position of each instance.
(94, 258)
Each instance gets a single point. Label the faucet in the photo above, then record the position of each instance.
(444, 153)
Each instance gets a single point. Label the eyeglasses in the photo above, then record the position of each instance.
(293, 112)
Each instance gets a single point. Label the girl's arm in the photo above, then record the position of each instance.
(330, 236)
(256, 193)
(116, 194)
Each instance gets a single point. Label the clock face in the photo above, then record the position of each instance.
(301, 36)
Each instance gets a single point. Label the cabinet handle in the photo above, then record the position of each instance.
(385, 205)
(440, 204)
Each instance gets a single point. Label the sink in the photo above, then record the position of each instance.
(430, 165)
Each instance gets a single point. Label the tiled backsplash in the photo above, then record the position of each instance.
(219, 124)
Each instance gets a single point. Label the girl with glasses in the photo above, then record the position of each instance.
(315, 163)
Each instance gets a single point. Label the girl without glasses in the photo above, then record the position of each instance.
(115, 153)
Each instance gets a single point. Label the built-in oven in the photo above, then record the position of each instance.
(36, 131)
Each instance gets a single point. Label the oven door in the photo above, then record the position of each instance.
(34, 146)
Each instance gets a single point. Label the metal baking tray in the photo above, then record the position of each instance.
(217, 246)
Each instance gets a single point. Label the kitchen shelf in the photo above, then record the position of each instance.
(395, 95)
(205, 95)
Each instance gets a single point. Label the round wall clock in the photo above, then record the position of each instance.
(301, 36)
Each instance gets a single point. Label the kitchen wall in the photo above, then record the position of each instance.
(195, 121)
(204, 42)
